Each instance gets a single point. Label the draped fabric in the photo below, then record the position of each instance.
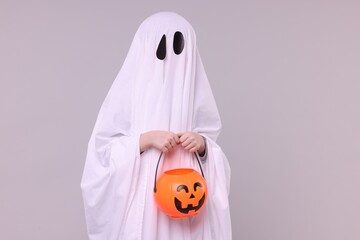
(148, 93)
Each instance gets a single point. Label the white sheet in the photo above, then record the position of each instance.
(151, 94)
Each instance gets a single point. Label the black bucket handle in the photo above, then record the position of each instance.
(157, 166)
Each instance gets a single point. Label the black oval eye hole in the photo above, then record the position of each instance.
(178, 43)
(161, 50)
(196, 185)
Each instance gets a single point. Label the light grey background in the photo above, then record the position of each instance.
(286, 78)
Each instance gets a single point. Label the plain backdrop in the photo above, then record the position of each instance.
(286, 78)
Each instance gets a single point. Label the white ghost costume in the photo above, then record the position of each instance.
(172, 94)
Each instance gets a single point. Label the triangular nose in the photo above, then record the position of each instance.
(192, 196)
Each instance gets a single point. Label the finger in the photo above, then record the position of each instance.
(164, 149)
(168, 146)
(194, 149)
(187, 142)
(190, 146)
(172, 142)
(176, 139)
(184, 137)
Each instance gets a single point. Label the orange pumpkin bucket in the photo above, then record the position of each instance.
(180, 192)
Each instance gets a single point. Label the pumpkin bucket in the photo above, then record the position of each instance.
(180, 192)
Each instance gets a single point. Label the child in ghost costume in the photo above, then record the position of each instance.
(160, 101)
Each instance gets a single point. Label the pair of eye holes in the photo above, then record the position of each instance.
(184, 187)
(178, 45)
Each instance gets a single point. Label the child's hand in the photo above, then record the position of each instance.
(161, 140)
(192, 142)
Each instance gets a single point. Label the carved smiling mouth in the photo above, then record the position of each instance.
(190, 206)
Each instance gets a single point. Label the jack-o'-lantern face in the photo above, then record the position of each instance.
(187, 200)
(181, 192)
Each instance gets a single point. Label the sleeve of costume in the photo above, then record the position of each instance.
(217, 174)
(108, 185)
